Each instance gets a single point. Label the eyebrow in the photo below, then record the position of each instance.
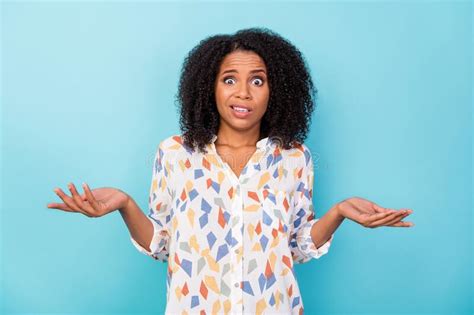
(253, 71)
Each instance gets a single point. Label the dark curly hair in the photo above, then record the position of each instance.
(292, 92)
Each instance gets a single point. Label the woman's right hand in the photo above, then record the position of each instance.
(93, 203)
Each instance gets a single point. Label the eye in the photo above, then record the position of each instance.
(260, 79)
(227, 78)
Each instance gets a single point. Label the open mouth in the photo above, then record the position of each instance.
(240, 109)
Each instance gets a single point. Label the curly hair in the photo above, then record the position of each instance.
(292, 92)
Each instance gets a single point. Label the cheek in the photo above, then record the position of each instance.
(263, 101)
(263, 96)
(263, 111)
(221, 109)
(219, 98)
(222, 95)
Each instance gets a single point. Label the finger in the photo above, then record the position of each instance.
(389, 217)
(90, 196)
(380, 209)
(398, 218)
(67, 200)
(367, 220)
(377, 208)
(83, 205)
(60, 206)
(402, 224)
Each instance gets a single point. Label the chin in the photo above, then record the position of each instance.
(237, 125)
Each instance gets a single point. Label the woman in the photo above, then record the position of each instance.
(231, 198)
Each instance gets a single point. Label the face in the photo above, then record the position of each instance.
(242, 90)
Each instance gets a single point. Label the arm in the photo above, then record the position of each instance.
(150, 234)
(140, 227)
(360, 210)
(303, 222)
(322, 230)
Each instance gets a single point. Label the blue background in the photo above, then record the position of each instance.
(88, 93)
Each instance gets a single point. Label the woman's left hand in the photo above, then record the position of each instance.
(371, 215)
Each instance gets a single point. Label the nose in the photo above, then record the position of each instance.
(243, 91)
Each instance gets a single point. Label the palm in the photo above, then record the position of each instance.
(369, 214)
(92, 203)
(355, 207)
(108, 199)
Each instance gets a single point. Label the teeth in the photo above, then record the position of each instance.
(240, 109)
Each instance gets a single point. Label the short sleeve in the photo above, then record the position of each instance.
(301, 244)
(159, 204)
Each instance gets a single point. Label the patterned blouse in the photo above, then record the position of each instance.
(231, 242)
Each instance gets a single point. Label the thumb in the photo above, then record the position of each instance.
(378, 208)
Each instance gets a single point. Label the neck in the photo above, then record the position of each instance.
(234, 138)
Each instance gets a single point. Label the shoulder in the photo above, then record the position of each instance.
(172, 146)
(300, 154)
(171, 142)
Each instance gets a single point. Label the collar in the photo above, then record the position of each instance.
(260, 143)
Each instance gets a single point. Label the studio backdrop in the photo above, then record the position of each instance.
(88, 91)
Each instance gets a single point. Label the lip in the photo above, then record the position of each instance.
(240, 115)
(242, 106)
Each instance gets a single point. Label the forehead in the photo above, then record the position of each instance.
(238, 59)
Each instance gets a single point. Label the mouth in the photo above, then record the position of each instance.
(240, 108)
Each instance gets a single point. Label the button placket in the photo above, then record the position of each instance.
(237, 270)
(236, 214)
(240, 243)
(236, 233)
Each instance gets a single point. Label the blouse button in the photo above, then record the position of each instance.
(236, 284)
(236, 251)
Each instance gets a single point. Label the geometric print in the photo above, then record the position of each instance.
(231, 242)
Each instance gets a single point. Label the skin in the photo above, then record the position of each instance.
(242, 79)
(236, 143)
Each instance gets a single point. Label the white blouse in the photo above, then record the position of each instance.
(231, 242)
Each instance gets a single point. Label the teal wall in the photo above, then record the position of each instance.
(88, 92)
